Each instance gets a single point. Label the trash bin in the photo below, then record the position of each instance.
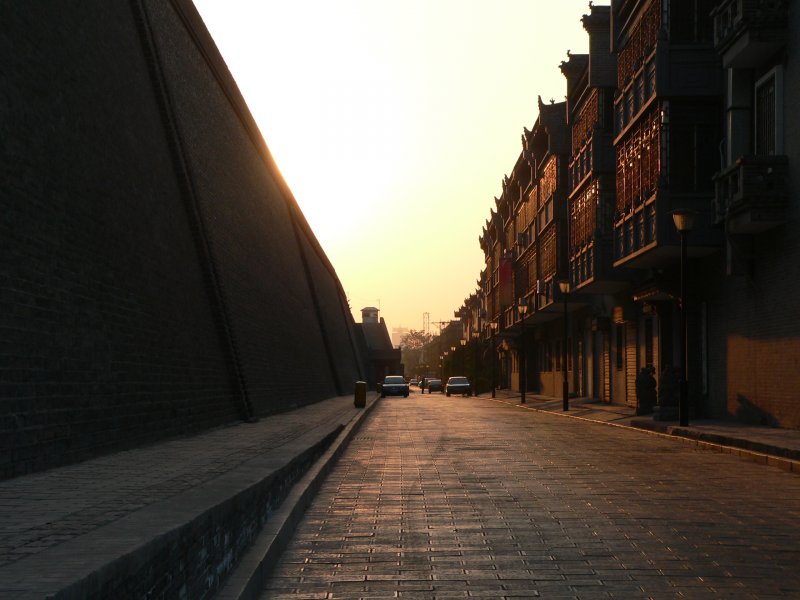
(361, 394)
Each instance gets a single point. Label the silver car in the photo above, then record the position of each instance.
(458, 385)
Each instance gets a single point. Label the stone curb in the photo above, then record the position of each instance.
(719, 444)
(248, 577)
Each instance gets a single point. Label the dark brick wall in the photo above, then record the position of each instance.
(149, 268)
(332, 308)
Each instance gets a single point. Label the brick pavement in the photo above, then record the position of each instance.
(65, 526)
(438, 498)
(767, 445)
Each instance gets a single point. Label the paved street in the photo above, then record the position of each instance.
(456, 497)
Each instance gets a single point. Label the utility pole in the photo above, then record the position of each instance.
(441, 325)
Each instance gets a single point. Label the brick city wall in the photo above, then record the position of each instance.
(151, 280)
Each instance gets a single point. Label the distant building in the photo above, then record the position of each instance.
(398, 333)
(382, 358)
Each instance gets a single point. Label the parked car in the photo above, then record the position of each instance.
(413, 382)
(394, 385)
(433, 385)
(458, 385)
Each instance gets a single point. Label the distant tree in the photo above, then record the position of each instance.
(415, 339)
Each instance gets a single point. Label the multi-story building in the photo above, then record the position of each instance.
(750, 288)
(667, 137)
(678, 106)
(591, 84)
(524, 242)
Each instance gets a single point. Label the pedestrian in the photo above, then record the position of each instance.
(645, 390)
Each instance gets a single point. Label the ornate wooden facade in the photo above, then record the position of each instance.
(677, 105)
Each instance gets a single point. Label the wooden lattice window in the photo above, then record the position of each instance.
(638, 163)
(533, 202)
(549, 180)
(587, 119)
(533, 271)
(641, 41)
(548, 250)
(583, 218)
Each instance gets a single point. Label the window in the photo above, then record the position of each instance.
(694, 136)
(768, 113)
(691, 21)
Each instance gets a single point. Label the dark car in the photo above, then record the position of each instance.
(433, 385)
(458, 385)
(394, 385)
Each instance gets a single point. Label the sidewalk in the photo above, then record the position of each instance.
(767, 445)
(167, 520)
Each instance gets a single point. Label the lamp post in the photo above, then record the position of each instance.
(564, 286)
(463, 343)
(441, 366)
(684, 221)
(493, 356)
(522, 307)
(475, 336)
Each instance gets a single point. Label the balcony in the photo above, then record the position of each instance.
(646, 238)
(752, 194)
(747, 32)
(635, 232)
(590, 269)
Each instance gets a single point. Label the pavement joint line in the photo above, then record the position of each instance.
(785, 464)
(247, 579)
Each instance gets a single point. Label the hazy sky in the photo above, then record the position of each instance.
(394, 123)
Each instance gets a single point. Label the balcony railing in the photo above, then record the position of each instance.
(635, 231)
(751, 194)
(746, 30)
(582, 265)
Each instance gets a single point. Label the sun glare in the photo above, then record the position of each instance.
(394, 126)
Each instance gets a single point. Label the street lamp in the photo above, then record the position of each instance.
(475, 336)
(493, 356)
(522, 307)
(684, 221)
(564, 286)
(463, 343)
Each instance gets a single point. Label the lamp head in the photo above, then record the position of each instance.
(463, 342)
(564, 286)
(684, 219)
(522, 305)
